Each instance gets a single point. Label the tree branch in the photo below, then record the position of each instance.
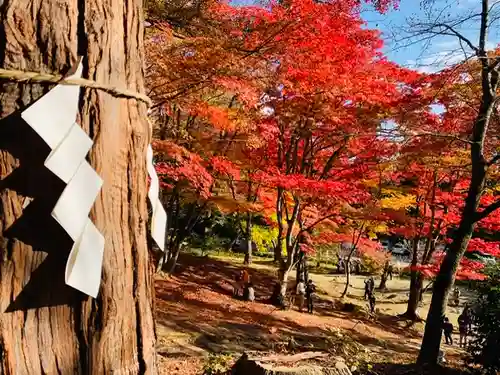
(487, 211)
(460, 36)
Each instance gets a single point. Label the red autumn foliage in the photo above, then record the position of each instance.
(286, 108)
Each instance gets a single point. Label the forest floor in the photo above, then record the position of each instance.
(196, 316)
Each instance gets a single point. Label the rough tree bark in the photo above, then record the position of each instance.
(113, 333)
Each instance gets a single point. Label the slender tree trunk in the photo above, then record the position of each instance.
(298, 274)
(248, 235)
(173, 260)
(291, 249)
(383, 280)
(162, 261)
(416, 287)
(347, 281)
(355, 241)
(347, 268)
(45, 326)
(305, 270)
(415, 284)
(279, 240)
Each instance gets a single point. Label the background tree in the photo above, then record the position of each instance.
(478, 125)
(247, 51)
(45, 326)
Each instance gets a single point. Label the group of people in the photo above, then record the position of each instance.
(244, 287)
(464, 327)
(353, 265)
(370, 293)
(305, 292)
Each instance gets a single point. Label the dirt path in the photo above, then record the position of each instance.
(196, 315)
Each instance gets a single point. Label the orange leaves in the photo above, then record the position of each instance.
(218, 117)
(228, 205)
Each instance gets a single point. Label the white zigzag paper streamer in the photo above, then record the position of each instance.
(53, 117)
(159, 217)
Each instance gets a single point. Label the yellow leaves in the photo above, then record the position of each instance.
(263, 236)
(398, 201)
(379, 228)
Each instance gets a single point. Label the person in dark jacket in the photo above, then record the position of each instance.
(372, 300)
(464, 327)
(448, 330)
(310, 290)
(369, 287)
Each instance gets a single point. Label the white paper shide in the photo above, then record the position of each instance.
(53, 117)
(159, 217)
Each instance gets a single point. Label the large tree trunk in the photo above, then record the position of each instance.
(445, 279)
(45, 326)
(429, 350)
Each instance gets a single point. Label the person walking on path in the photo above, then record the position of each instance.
(464, 327)
(448, 330)
(456, 297)
(300, 292)
(372, 300)
(369, 287)
(310, 290)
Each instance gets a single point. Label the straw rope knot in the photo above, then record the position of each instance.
(34, 77)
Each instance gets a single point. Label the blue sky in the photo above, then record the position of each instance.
(438, 52)
(427, 56)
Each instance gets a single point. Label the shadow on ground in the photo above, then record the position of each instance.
(198, 303)
(409, 369)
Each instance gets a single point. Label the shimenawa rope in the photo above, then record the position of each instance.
(20, 76)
